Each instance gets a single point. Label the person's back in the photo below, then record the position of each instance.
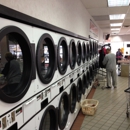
(110, 61)
(14, 74)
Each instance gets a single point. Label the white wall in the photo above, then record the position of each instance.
(67, 14)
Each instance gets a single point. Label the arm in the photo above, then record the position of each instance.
(105, 60)
(6, 69)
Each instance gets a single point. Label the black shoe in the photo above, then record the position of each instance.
(108, 87)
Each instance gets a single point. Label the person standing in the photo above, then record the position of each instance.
(118, 56)
(110, 63)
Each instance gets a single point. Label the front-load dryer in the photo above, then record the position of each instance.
(16, 38)
(56, 111)
(84, 51)
(79, 53)
(46, 58)
(85, 85)
(91, 49)
(88, 52)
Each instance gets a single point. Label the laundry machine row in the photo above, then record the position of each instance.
(32, 80)
(28, 109)
(21, 115)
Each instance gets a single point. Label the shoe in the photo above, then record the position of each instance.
(115, 87)
(108, 87)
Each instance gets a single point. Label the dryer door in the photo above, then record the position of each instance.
(80, 89)
(63, 110)
(72, 54)
(49, 120)
(15, 64)
(62, 55)
(84, 82)
(91, 73)
(84, 52)
(46, 58)
(73, 97)
(79, 53)
(91, 49)
(89, 78)
(88, 52)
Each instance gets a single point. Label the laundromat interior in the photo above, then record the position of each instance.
(50, 64)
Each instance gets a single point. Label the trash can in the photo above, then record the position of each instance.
(89, 106)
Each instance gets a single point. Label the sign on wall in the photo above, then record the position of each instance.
(93, 28)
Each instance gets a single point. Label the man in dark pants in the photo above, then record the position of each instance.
(110, 62)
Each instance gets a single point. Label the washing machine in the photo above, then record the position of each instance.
(79, 53)
(88, 52)
(85, 84)
(17, 38)
(84, 51)
(55, 115)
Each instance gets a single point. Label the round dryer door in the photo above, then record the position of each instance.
(62, 57)
(49, 120)
(46, 58)
(73, 97)
(91, 73)
(88, 52)
(84, 52)
(72, 54)
(84, 83)
(91, 49)
(79, 53)
(63, 111)
(80, 89)
(15, 64)
(89, 81)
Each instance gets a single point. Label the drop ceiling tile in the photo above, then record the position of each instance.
(98, 11)
(116, 21)
(126, 22)
(103, 22)
(101, 18)
(118, 10)
(94, 3)
(127, 16)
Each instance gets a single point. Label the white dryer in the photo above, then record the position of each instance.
(16, 38)
(84, 52)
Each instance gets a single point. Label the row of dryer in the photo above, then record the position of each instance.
(54, 108)
(50, 63)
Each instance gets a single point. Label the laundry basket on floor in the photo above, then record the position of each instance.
(89, 106)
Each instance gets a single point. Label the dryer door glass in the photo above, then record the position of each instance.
(88, 52)
(15, 64)
(80, 89)
(84, 83)
(73, 97)
(62, 56)
(49, 119)
(72, 54)
(46, 58)
(84, 52)
(79, 54)
(91, 50)
(63, 110)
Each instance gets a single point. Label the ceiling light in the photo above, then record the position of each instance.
(112, 3)
(117, 16)
(116, 24)
(115, 28)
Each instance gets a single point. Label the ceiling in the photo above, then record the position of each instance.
(100, 11)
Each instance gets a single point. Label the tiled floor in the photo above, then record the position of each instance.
(111, 112)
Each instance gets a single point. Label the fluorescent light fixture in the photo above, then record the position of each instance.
(116, 16)
(116, 24)
(115, 29)
(112, 3)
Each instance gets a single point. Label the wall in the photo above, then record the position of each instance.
(67, 14)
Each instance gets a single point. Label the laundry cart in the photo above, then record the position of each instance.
(101, 77)
(127, 91)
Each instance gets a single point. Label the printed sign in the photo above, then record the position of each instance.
(93, 28)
